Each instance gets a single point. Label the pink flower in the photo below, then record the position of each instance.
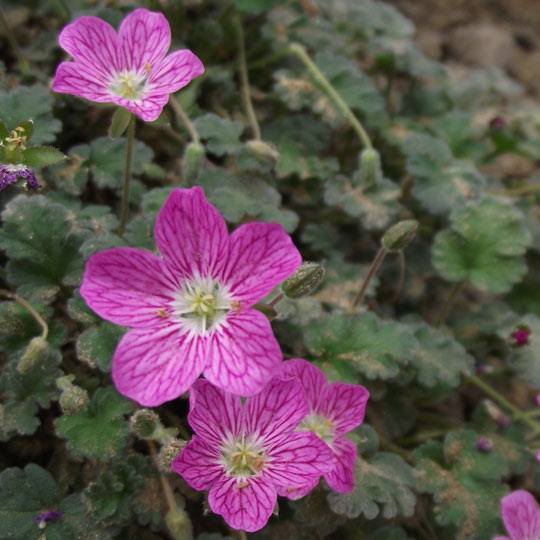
(129, 68)
(334, 410)
(521, 336)
(245, 455)
(191, 309)
(521, 516)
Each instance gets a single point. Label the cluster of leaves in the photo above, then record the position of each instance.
(424, 468)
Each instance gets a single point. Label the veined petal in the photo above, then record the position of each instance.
(243, 353)
(174, 72)
(521, 515)
(275, 411)
(128, 287)
(147, 109)
(311, 377)
(152, 367)
(198, 464)
(261, 255)
(213, 413)
(92, 42)
(144, 37)
(191, 234)
(75, 78)
(344, 405)
(341, 477)
(244, 505)
(298, 459)
(295, 493)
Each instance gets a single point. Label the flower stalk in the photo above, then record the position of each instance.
(381, 254)
(130, 139)
(194, 134)
(449, 303)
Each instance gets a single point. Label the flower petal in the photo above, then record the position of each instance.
(174, 72)
(152, 367)
(128, 286)
(276, 411)
(297, 459)
(213, 413)
(243, 353)
(521, 515)
(191, 234)
(344, 405)
(198, 464)
(245, 507)
(295, 493)
(74, 78)
(147, 109)
(311, 377)
(261, 255)
(341, 477)
(144, 37)
(92, 42)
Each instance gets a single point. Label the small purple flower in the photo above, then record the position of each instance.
(521, 336)
(191, 309)
(128, 68)
(334, 410)
(10, 173)
(49, 515)
(246, 455)
(484, 445)
(497, 122)
(521, 516)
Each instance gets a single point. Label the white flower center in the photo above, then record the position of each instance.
(129, 84)
(201, 305)
(320, 425)
(243, 457)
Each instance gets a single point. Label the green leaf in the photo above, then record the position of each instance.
(119, 122)
(33, 102)
(79, 311)
(222, 135)
(18, 417)
(382, 484)
(96, 346)
(40, 156)
(3, 131)
(485, 244)
(101, 431)
(442, 183)
(374, 347)
(313, 513)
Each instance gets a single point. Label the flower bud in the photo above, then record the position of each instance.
(31, 356)
(400, 235)
(179, 524)
(304, 281)
(74, 400)
(168, 452)
(370, 167)
(521, 336)
(263, 150)
(192, 161)
(144, 423)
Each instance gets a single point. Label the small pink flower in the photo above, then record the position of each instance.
(334, 410)
(129, 68)
(191, 309)
(246, 454)
(521, 336)
(521, 516)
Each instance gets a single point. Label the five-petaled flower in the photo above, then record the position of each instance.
(521, 516)
(129, 68)
(334, 410)
(191, 309)
(247, 455)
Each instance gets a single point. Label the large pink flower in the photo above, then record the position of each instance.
(129, 68)
(245, 455)
(521, 516)
(190, 310)
(334, 410)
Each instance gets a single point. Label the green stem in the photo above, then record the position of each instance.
(371, 272)
(244, 80)
(185, 119)
(263, 62)
(39, 319)
(449, 303)
(300, 52)
(276, 300)
(130, 139)
(23, 64)
(167, 490)
(503, 402)
(515, 192)
(423, 436)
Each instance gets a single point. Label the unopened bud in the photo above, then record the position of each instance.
(370, 167)
(304, 281)
(144, 423)
(179, 524)
(263, 149)
(31, 356)
(74, 400)
(192, 161)
(400, 235)
(169, 451)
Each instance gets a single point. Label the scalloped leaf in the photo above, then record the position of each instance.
(96, 345)
(222, 135)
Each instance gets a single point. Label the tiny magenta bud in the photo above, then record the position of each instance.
(304, 281)
(370, 167)
(192, 161)
(144, 423)
(497, 122)
(400, 235)
(521, 336)
(74, 400)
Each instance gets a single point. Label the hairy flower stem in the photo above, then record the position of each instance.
(23, 64)
(300, 52)
(517, 413)
(167, 490)
(242, 67)
(449, 303)
(185, 119)
(276, 300)
(371, 272)
(130, 139)
(39, 319)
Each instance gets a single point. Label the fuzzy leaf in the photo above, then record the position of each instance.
(312, 511)
(222, 135)
(40, 156)
(96, 346)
